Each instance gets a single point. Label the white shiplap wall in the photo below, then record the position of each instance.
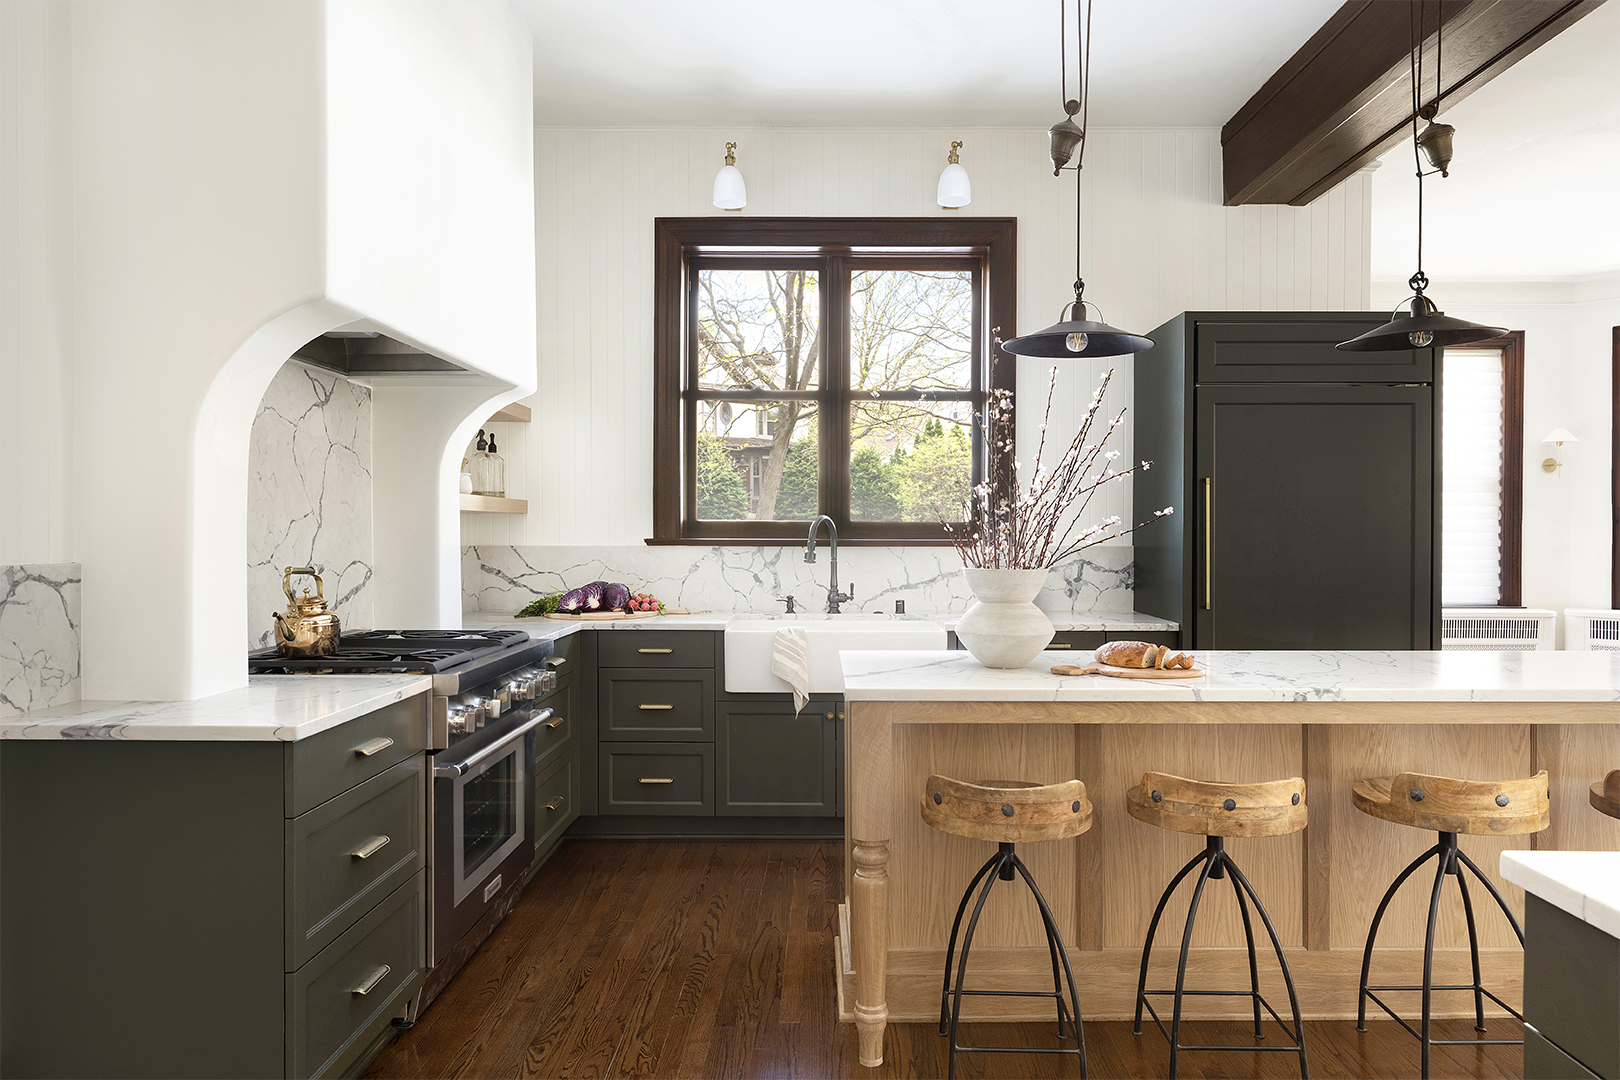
(1157, 242)
(36, 434)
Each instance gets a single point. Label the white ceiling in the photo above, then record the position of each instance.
(884, 63)
(1534, 190)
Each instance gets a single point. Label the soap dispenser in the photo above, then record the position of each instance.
(479, 466)
(497, 470)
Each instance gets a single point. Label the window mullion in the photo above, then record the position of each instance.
(834, 421)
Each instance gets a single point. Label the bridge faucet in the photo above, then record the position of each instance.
(834, 597)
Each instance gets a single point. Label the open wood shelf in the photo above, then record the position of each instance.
(512, 414)
(488, 504)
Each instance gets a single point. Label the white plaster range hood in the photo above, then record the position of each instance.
(366, 353)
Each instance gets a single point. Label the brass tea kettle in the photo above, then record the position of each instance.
(307, 629)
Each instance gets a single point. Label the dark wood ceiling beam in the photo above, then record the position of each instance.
(1344, 99)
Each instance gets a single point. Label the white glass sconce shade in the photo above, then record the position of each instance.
(730, 193)
(955, 189)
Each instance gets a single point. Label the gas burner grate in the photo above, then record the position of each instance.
(403, 652)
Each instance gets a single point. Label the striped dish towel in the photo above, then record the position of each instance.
(790, 662)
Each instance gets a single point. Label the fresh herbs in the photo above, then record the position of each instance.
(546, 605)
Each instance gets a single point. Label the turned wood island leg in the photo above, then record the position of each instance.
(871, 743)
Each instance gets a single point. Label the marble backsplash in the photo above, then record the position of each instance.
(505, 578)
(39, 636)
(309, 496)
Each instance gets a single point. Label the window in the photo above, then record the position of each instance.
(1482, 481)
(823, 366)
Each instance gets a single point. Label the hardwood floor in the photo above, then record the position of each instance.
(715, 959)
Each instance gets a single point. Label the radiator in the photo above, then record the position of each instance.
(1514, 629)
(1586, 629)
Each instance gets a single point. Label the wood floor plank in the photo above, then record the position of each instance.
(652, 959)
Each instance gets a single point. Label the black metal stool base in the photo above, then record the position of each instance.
(1218, 864)
(1005, 862)
(1449, 856)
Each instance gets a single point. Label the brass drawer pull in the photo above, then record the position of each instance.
(371, 982)
(656, 780)
(655, 650)
(655, 707)
(556, 661)
(370, 847)
(556, 721)
(375, 746)
(555, 803)
(1060, 645)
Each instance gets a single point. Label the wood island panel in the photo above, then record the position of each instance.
(1320, 886)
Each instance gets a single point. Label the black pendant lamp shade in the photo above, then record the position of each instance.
(1426, 327)
(1076, 338)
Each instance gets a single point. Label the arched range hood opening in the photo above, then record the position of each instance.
(366, 352)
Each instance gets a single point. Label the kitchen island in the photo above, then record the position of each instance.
(1330, 717)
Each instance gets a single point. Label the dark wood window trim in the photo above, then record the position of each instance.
(992, 243)
(1614, 436)
(1512, 538)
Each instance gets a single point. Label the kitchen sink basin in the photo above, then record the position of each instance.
(749, 643)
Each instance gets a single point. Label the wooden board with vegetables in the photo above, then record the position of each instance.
(598, 600)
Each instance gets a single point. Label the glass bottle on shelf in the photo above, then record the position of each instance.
(497, 470)
(479, 466)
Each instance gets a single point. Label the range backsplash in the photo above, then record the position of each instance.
(309, 496)
(504, 578)
(39, 636)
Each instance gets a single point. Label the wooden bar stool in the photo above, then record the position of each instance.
(1448, 806)
(1008, 812)
(1606, 794)
(1216, 811)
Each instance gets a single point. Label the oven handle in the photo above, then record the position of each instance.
(460, 768)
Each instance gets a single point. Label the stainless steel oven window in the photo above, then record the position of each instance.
(489, 824)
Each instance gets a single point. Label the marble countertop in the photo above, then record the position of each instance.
(1584, 883)
(272, 708)
(1249, 676)
(543, 629)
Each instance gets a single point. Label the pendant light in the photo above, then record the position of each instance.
(1426, 326)
(1079, 335)
(730, 193)
(955, 191)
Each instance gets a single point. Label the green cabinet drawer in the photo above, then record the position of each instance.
(556, 803)
(1301, 351)
(656, 648)
(339, 1001)
(663, 705)
(326, 765)
(351, 851)
(557, 734)
(657, 778)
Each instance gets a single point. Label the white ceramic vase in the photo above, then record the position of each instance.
(1003, 628)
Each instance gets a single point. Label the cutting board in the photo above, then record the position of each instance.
(604, 616)
(1130, 673)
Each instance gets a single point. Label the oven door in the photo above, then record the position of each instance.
(483, 825)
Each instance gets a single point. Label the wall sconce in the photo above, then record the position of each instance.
(955, 190)
(1558, 437)
(730, 193)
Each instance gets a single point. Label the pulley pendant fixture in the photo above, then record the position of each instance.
(1076, 334)
(1426, 326)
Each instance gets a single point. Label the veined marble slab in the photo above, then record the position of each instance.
(39, 636)
(543, 629)
(273, 708)
(1250, 676)
(1584, 883)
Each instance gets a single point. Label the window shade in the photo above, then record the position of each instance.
(1472, 418)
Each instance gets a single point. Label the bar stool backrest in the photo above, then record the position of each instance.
(1474, 807)
(1006, 811)
(1209, 808)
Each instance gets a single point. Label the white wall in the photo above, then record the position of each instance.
(1157, 242)
(1567, 373)
(36, 375)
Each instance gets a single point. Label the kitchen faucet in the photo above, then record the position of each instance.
(834, 597)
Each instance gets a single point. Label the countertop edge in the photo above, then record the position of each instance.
(1586, 884)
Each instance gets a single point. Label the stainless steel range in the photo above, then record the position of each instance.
(480, 805)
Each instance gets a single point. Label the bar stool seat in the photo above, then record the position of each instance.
(1606, 794)
(1008, 812)
(1216, 811)
(1449, 806)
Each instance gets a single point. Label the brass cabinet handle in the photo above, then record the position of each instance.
(554, 803)
(655, 650)
(372, 980)
(655, 707)
(1209, 533)
(370, 847)
(656, 780)
(375, 746)
(829, 716)
(556, 661)
(1060, 645)
(556, 721)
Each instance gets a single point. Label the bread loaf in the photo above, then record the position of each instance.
(1131, 654)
